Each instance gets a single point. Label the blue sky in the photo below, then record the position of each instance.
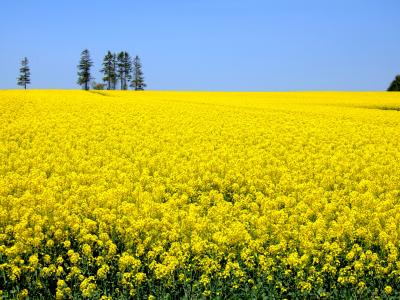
(208, 44)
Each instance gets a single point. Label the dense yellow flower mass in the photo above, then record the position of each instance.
(118, 195)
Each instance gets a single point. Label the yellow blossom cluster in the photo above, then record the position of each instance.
(120, 195)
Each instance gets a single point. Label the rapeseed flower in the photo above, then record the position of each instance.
(199, 195)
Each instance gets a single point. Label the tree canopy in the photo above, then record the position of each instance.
(395, 85)
(84, 66)
(24, 73)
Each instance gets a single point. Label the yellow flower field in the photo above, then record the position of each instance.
(167, 195)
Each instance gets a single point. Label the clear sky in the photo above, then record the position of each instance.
(208, 44)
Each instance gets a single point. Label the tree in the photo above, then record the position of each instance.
(395, 85)
(84, 66)
(24, 74)
(109, 70)
(115, 79)
(127, 69)
(120, 68)
(124, 69)
(138, 78)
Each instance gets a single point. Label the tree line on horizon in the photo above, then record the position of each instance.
(117, 68)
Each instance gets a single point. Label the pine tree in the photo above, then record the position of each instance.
(120, 69)
(395, 85)
(84, 66)
(124, 69)
(114, 66)
(138, 78)
(108, 70)
(24, 74)
(127, 69)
